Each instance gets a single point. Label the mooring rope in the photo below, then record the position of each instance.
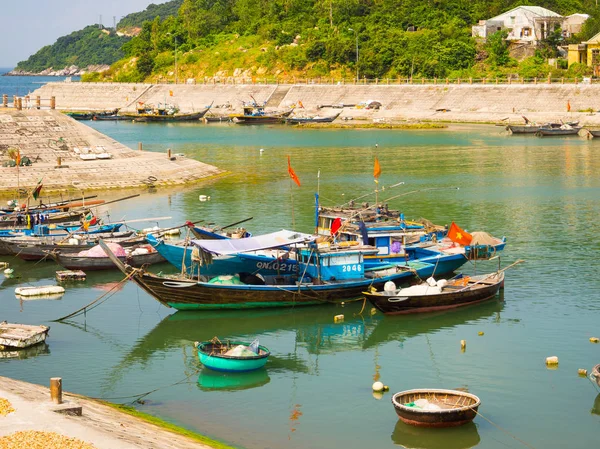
(85, 308)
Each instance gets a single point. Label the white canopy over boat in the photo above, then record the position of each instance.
(265, 241)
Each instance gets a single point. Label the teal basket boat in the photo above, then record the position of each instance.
(213, 355)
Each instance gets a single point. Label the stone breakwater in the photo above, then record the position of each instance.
(67, 71)
(483, 103)
(69, 156)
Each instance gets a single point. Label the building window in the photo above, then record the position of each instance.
(595, 56)
(526, 32)
(512, 20)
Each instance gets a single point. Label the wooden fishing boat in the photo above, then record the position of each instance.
(595, 374)
(562, 131)
(91, 115)
(256, 115)
(317, 119)
(594, 132)
(523, 129)
(458, 292)
(87, 263)
(328, 275)
(435, 407)
(222, 356)
(18, 336)
(37, 248)
(192, 116)
(12, 220)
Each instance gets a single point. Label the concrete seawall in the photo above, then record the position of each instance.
(439, 102)
(88, 159)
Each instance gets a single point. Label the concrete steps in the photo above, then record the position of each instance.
(278, 95)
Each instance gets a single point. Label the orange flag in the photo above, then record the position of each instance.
(18, 158)
(459, 236)
(376, 169)
(293, 173)
(170, 93)
(568, 106)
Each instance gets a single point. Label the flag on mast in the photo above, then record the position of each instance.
(376, 169)
(37, 190)
(292, 173)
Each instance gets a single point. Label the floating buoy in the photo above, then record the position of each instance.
(378, 386)
(4, 265)
(480, 333)
(373, 310)
(204, 198)
(9, 271)
(551, 361)
(262, 150)
(594, 339)
(386, 388)
(343, 304)
(338, 318)
(463, 345)
(582, 372)
(389, 286)
(39, 291)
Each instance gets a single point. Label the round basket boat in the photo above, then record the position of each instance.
(448, 408)
(213, 355)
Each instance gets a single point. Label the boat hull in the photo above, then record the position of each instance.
(74, 262)
(595, 375)
(547, 132)
(397, 304)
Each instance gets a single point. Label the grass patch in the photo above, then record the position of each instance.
(168, 426)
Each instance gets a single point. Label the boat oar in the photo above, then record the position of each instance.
(493, 274)
(161, 231)
(236, 223)
(113, 201)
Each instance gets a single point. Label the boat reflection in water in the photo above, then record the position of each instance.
(210, 380)
(25, 353)
(410, 437)
(596, 407)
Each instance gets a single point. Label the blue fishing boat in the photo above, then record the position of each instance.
(232, 356)
(326, 274)
(267, 261)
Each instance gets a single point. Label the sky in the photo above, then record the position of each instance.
(28, 25)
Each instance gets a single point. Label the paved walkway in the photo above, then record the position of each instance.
(102, 426)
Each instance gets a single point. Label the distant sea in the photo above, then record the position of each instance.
(23, 85)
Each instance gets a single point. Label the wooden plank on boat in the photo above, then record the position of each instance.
(21, 335)
(70, 275)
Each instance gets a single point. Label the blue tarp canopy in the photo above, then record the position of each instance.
(265, 241)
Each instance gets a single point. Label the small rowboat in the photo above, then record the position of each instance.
(562, 131)
(444, 295)
(435, 407)
(595, 374)
(219, 356)
(21, 336)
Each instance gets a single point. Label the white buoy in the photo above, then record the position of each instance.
(389, 286)
(377, 386)
(9, 271)
(39, 291)
(262, 150)
(552, 361)
(204, 198)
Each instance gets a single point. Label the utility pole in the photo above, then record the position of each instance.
(115, 23)
(356, 36)
(100, 23)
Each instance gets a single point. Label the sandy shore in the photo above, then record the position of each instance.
(103, 426)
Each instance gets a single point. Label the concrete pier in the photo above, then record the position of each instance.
(443, 101)
(98, 424)
(68, 154)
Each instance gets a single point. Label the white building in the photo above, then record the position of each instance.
(526, 24)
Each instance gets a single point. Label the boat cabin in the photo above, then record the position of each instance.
(333, 262)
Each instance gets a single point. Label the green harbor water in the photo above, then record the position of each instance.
(315, 392)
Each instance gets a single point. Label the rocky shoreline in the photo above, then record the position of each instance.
(67, 71)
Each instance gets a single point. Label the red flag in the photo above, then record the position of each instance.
(293, 173)
(18, 158)
(376, 169)
(459, 236)
(336, 225)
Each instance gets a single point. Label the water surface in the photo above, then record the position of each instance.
(315, 392)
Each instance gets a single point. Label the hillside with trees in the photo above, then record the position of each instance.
(90, 46)
(318, 38)
(136, 19)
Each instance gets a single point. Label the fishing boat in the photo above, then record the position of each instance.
(565, 130)
(18, 220)
(92, 115)
(37, 248)
(95, 259)
(331, 274)
(435, 407)
(438, 295)
(533, 128)
(232, 356)
(595, 374)
(19, 336)
(253, 114)
(166, 113)
(315, 119)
